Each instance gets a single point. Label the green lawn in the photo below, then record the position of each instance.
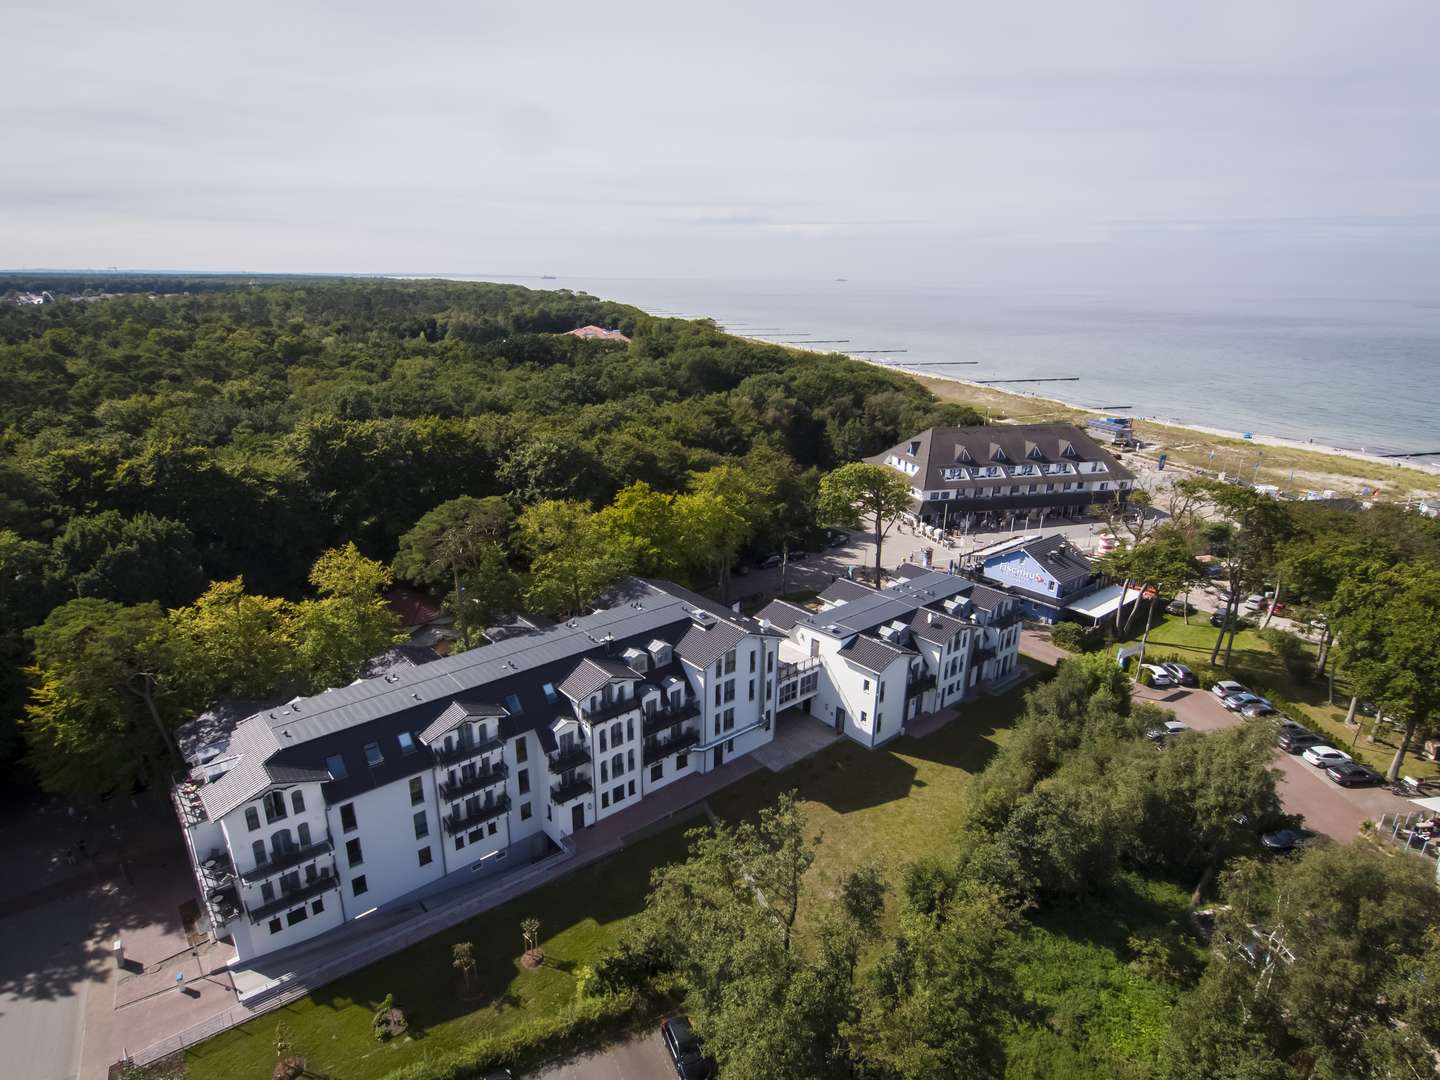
(581, 916)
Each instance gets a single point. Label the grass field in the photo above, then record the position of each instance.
(886, 806)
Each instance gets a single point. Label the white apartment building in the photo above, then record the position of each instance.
(316, 812)
(870, 660)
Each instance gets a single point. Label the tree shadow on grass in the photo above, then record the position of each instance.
(1110, 917)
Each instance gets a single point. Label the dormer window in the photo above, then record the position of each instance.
(513, 704)
(1067, 450)
(962, 453)
(1033, 452)
(550, 695)
(373, 757)
(914, 448)
(406, 741)
(659, 652)
(997, 452)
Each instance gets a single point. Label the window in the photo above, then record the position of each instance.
(729, 720)
(752, 663)
(729, 691)
(879, 723)
(258, 850)
(275, 926)
(317, 905)
(347, 817)
(373, 756)
(476, 835)
(459, 842)
(513, 704)
(629, 760)
(605, 800)
(603, 745)
(615, 735)
(730, 662)
(730, 746)
(863, 718)
(299, 915)
(406, 741)
(717, 693)
(550, 695)
(881, 695)
(422, 826)
(252, 818)
(629, 727)
(617, 764)
(769, 661)
(493, 828)
(352, 852)
(417, 790)
(752, 686)
(657, 771)
(865, 684)
(524, 811)
(274, 803)
(682, 759)
(336, 764)
(632, 787)
(617, 794)
(267, 891)
(304, 831)
(604, 772)
(522, 781)
(297, 801)
(425, 856)
(359, 886)
(522, 750)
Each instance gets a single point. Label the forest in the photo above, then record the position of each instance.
(165, 441)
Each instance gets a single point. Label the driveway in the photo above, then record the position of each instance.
(1328, 808)
(641, 1057)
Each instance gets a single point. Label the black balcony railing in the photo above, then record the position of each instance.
(465, 751)
(469, 819)
(563, 760)
(655, 749)
(664, 719)
(223, 905)
(284, 860)
(295, 898)
(609, 710)
(563, 793)
(468, 785)
(919, 684)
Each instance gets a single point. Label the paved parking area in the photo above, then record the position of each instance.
(641, 1057)
(797, 736)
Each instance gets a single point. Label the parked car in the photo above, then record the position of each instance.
(499, 1074)
(1277, 608)
(1179, 607)
(1180, 674)
(837, 538)
(1255, 602)
(1159, 677)
(1284, 841)
(1236, 702)
(1218, 619)
(1225, 687)
(1292, 742)
(686, 1050)
(1323, 756)
(1258, 708)
(770, 560)
(1349, 774)
(1167, 729)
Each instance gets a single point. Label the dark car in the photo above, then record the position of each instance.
(836, 538)
(1284, 841)
(1179, 607)
(1349, 774)
(1295, 739)
(500, 1074)
(686, 1050)
(1180, 674)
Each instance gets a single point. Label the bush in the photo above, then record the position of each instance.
(1146, 677)
(587, 985)
(631, 966)
(1068, 635)
(289, 1068)
(389, 1022)
(1291, 650)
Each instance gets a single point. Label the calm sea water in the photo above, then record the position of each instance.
(1349, 373)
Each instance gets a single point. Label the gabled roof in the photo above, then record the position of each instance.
(987, 598)
(908, 570)
(935, 625)
(939, 448)
(591, 674)
(842, 589)
(783, 614)
(456, 713)
(872, 654)
(703, 645)
(1059, 558)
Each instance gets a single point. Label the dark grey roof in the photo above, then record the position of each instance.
(456, 713)
(987, 598)
(1059, 558)
(591, 674)
(997, 444)
(842, 589)
(703, 645)
(782, 613)
(873, 654)
(935, 625)
(908, 570)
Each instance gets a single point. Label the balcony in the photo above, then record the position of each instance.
(562, 761)
(223, 905)
(457, 823)
(563, 793)
(655, 749)
(464, 751)
(186, 797)
(468, 785)
(609, 710)
(285, 860)
(318, 887)
(664, 719)
(919, 684)
(794, 671)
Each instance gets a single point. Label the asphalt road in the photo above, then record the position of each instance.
(44, 977)
(640, 1058)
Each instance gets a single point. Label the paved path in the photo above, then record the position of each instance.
(642, 1057)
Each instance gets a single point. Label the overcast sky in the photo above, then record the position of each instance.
(957, 141)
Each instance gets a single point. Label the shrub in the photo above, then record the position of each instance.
(389, 1022)
(1068, 635)
(631, 966)
(1146, 677)
(1291, 650)
(289, 1068)
(587, 985)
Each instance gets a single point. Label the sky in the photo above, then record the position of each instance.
(1286, 144)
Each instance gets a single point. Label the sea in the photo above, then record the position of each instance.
(1348, 373)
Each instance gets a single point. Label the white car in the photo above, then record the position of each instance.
(1159, 677)
(1325, 756)
(1227, 687)
(1167, 730)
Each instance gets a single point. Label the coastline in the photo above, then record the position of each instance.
(1293, 465)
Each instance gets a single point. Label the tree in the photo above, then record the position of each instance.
(102, 711)
(233, 642)
(460, 545)
(711, 528)
(462, 959)
(642, 526)
(349, 622)
(940, 997)
(855, 492)
(1389, 641)
(1259, 525)
(571, 562)
(1162, 563)
(129, 560)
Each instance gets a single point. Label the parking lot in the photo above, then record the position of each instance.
(1328, 808)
